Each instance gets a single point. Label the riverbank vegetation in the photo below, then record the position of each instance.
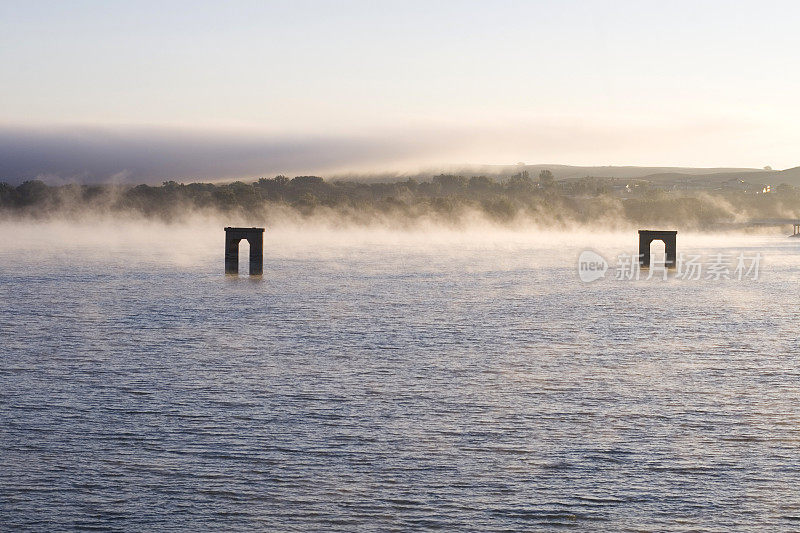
(449, 199)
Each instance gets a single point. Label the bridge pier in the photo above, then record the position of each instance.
(255, 236)
(647, 236)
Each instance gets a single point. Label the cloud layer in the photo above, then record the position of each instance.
(148, 155)
(152, 154)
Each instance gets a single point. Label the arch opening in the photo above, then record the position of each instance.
(244, 252)
(658, 253)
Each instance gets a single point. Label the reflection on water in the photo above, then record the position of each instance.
(387, 381)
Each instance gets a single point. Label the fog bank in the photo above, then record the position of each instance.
(454, 201)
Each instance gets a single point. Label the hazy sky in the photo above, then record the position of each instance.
(315, 86)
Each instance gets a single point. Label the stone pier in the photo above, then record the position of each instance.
(255, 236)
(646, 236)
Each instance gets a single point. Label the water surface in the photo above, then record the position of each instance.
(393, 381)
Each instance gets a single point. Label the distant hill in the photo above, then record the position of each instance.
(790, 176)
(628, 172)
(561, 172)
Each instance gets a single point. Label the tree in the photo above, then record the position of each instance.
(546, 178)
(7, 194)
(33, 192)
(450, 183)
(521, 182)
(480, 183)
(306, 181)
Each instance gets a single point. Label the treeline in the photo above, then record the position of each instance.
(452, 199)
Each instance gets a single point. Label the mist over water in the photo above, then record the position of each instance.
(450, 332)
(381, 378)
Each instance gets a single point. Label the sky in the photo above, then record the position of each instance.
(104, 90)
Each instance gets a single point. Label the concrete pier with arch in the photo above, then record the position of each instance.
(254, 236)
(647, 236)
